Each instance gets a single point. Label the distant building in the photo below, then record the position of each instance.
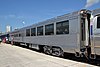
(8, 28)
(0, 33)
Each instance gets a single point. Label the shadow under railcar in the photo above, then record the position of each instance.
(70, 56)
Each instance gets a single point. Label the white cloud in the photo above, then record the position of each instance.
(7, 16)
(11, 16)
(15, 17)
(91, 2)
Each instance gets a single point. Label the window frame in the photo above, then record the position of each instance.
(62, 28)
(49, 27)
(28, 30)
(39, 29)
(33, 33)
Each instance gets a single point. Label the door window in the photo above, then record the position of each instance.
(98, 22)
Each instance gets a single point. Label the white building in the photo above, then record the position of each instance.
(8, 28)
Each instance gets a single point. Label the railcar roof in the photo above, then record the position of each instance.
(50, 20)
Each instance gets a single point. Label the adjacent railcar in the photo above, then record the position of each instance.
(67, 33)
(96, 32)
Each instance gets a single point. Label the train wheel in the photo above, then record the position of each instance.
(47, 49)
(56, 51)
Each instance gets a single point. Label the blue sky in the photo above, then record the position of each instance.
(14, 12)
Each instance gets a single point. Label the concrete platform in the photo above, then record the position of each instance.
(14, 56)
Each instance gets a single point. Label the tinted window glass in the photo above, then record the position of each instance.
(62, 27)
(15, 35)
(39, 31)
(19, 35)
(27, 32)
(49, 29)
(33, 31)
(83, 29)
(98, 22)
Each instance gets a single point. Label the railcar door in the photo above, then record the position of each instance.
(85, 31)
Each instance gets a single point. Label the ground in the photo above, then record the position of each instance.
(14, 56)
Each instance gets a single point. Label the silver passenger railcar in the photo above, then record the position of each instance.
(67, 33)
(95, 45)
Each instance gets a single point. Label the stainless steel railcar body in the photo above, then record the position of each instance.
(73, 38)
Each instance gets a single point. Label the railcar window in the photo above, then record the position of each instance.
(19, 35)
(27, 32)
(33, 31)
(15, 35)
(49, 29)
(39, 31)
(83, 29)
(98, 22)
(62, 27)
